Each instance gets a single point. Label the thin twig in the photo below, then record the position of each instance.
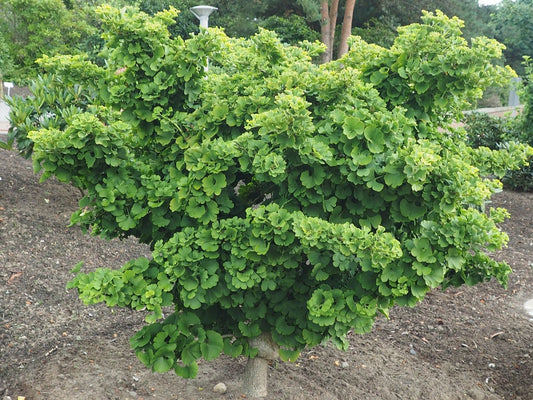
(50, 351)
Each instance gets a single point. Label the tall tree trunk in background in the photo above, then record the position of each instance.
(346, 29)
(328, 22)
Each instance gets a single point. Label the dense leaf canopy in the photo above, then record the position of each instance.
(32, 28)
(277, 195)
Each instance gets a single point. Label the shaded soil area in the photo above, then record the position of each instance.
(464, 343)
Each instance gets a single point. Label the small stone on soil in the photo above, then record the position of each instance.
(220, 388)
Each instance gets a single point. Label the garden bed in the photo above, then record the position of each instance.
(464, 343)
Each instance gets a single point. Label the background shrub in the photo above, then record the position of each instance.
(291, 30)
(484, 130)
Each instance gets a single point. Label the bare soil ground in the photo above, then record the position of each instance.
(466, 343)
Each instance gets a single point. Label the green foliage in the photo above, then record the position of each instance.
(36, 27)
(496, 133)
(185, 22)
(440, 78)
(488, 131)
(291, 30)
(6, 62)
(376, 31)
(238, 18)
(522, 179)
(277, 196)
(311, 9)
(526, 97)
(405, 12)
(54, 101)
(512, 22)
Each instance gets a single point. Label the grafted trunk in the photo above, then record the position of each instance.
(256, 373)
(256, 378)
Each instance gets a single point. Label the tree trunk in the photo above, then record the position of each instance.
(333, 12)
(256, 373)
(256, 377)
(327, 29)
(346, 29)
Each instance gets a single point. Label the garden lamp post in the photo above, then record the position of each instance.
(203, 13)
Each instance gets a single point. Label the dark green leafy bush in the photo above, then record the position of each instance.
(291, 30)
(53, 101)
(376, 31)
(526, 97)
(495, 133)
(486, 130)
(521, 179)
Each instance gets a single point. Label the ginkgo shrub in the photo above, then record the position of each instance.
(286, 203)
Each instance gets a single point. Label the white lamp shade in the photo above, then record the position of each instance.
(203, 13)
